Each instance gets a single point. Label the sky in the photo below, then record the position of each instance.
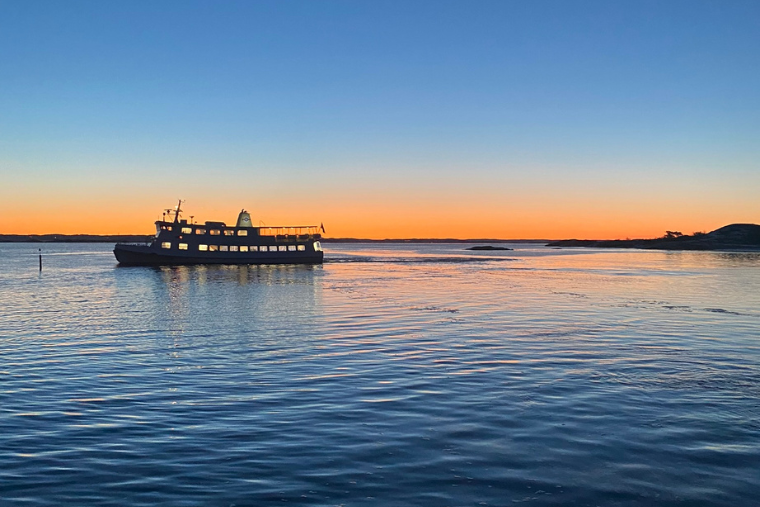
(382, 119)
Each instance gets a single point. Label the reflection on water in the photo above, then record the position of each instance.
(740, 259)
(390, 375)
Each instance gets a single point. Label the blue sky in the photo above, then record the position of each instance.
(340, 98)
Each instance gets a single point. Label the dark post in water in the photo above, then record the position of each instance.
(40, 250)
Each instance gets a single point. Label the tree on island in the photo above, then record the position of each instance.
(673, 234)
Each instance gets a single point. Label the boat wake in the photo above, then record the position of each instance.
(416, 260)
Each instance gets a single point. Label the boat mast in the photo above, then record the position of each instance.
(177, 211)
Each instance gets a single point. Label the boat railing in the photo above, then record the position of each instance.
(288, 231)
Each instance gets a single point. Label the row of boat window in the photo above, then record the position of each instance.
(263, 231)
(242, 248)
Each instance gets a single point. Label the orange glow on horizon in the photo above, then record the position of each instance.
(376, 220)
(379, 206)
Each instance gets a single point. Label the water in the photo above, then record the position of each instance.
(391, 375)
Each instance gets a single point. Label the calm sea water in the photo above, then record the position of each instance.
(391, 375)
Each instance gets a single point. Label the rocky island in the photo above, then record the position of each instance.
(488, 248)
(730, 237)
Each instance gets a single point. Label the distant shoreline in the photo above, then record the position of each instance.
(741, 237)
(434, 240)
(74, 238)
(141, 238)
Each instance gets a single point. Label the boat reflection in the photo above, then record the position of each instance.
(248, 305)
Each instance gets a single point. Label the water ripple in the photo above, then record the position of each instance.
(408, 375)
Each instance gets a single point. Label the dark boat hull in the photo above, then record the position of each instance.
(140, 255)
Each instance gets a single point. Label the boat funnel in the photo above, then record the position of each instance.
(244, 219)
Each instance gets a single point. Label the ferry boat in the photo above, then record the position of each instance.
(180, 242)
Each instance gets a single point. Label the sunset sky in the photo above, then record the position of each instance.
(382, 119)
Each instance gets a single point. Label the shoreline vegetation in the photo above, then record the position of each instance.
(730, 237)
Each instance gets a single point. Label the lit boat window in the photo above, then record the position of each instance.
(223, 248)
(203, 248)
(166, 244)
(243, 248)
(183, 246)
(233, 248)
(214, 232)
(200, 231)
(213, 248)
(187, 230)
(291, 248)
(283, 248)
(228, 232)
(301, 248)
(254, 249)
(317, 246)
(242, 233)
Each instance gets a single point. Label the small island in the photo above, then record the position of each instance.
(488, 247)
(730, 237)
